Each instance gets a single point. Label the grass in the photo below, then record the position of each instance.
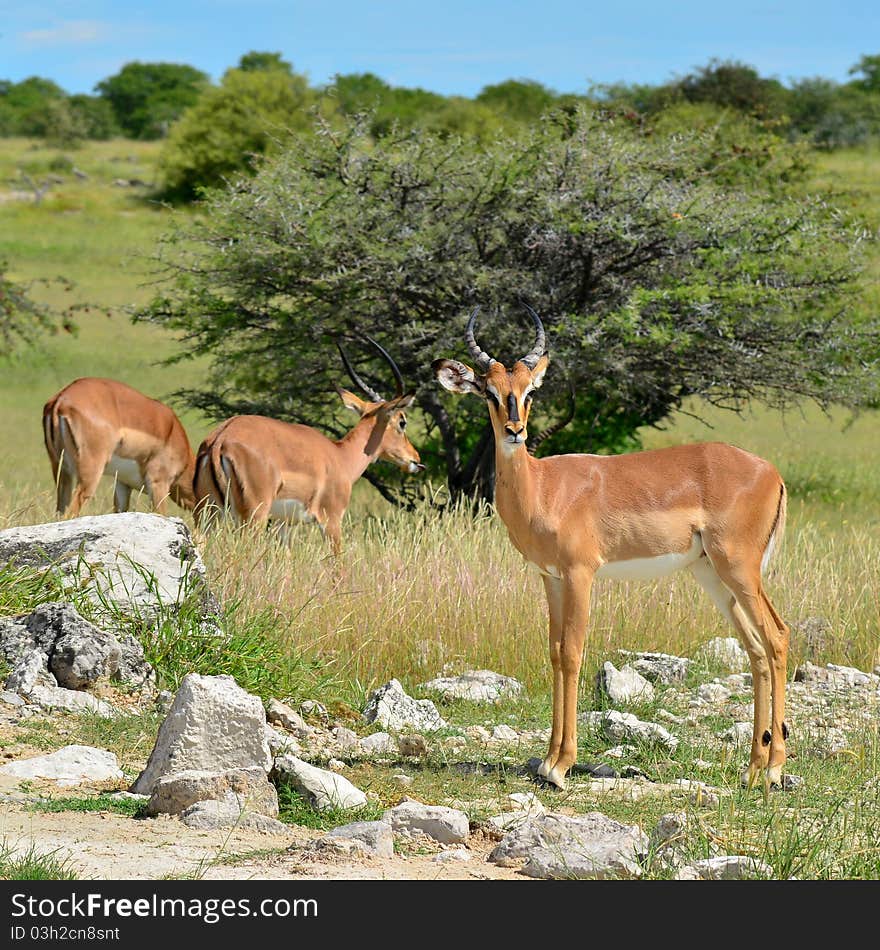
(33, 865)
(422, 593)
(131, 807)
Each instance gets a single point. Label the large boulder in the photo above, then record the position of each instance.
(138, 561)
(446, 825)
(213, 725)
(477, 686)
(393, 709)
(584, 846)
(247, 789)
(71, 765)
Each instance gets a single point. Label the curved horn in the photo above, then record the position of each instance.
(482, 359)
(369, 391)
(398, 378)
(554, 427)
(540, 347)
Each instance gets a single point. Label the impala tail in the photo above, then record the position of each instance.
(778, 529)
(61, 448)
(210, 484)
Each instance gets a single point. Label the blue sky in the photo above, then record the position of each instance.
(451, 48)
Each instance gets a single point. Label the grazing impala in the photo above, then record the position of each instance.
(96, 427)
(711, 508)
(255, 467)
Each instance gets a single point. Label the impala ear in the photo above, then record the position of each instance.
(399, 402)
(458, 378)
(539, 370)
(350, 401)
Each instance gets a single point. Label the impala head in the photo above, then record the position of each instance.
(508, 392)
(388, 437)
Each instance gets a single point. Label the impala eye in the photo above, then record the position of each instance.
(492, 398)
(402, 424)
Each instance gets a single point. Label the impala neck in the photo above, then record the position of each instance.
(514, 478)
(361, 446)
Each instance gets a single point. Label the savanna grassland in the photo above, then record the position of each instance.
(422, 592)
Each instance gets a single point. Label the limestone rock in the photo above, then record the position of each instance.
(375, 836)
(477, 686)
(727, 867)
(212, 814)
(625, 727)
(213, 725)
(379, 743)
(247, 789)
(70, 765)
(446, 825)
(325, 790)
(724, 652)
(394, 710)
(624, 686)
(661, 668)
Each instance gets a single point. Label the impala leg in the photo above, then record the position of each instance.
(89, 475)
(706, 575)
(553, 590)
(576, 589)
(776, 641)
(63, 488)
(121, 497)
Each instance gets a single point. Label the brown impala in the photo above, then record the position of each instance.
(256, 467)
(96, 427)
(711, 508)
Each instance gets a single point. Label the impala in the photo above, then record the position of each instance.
(256, 468)
(96, 427)
(710, 508)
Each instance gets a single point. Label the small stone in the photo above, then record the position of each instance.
(394, 710)
(729, 867)
(401, 779)
(211, 814)
(713, 693)
(379, 743)
(311, 707)
(738, 733)
(282, 715)
(624, 686)
(504, 733)
(454, 743)
(345, 739)
(791, 783)
(619, 751)
(453, 856)
(70, 700)
(659, 667)
(478, 734)
(335, 765)
(477, 686)
(623, 727)
(70, 765)
(414, 746)
(375, 836)
(281, 743)
(446, 825)
(10, 698)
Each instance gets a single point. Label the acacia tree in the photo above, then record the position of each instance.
(664, 266)
(22, 320)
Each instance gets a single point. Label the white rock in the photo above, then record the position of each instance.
(658, 667)
(585, 846)
(739, 733)
(71, 765)
(282, 715)
(379, 743)
(393, 709)
(325, 790)
(376, 836)
(713, 694)
(625, 727)
(446, 825)
(211, 814)
(247, 789)
(281, 743)
(455, 855)
(213, 725)
(728, 867)
(724, 652)
(522, 806)
(477, 686)
(504, 733)
(131, 558)
(70, 700)
(625, 685)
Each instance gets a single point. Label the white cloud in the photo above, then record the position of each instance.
(68, 33)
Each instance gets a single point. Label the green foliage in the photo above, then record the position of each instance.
(249, 114)
(737, 86)
(130, 807)
(23, 105)
(665, 265)
(22, 320)
(522, 99)
(254, 61)
(95, 117)
(33, 865)
(147, 97)
(295, 810)
(868, 68)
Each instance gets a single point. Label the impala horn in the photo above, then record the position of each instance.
(481, 357)
(540, 347)
(356, 379)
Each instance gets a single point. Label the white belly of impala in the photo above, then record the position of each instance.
(126, 471)
(289, 509)
(649, 568)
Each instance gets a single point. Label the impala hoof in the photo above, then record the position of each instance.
(774, 775)
(556, 777)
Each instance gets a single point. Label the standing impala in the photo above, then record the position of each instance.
(711, 508)
(256, 467)
(96, 427)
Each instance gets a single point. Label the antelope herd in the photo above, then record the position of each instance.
(710, 508)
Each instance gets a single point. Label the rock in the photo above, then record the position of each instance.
(393, 709)
(379, 743)
(791, 783)
(414, 746)
(522, 806)
(476, 686)
(282, 715)
(727, 867)
(213, 725)
(324, 790)
(504, 733)
(139, 561)
(345, 739)
(835, 677)
(669, 830)
(586, 846)
(71, 765)
(247, 789)
(54, 645)
(311, 707)
(281, 743)
(625, 727)
(375, 836)
(70, 700)
(401, 779)
(659, 667)
(454, 743)
(478, 734)
(452, 856)
(713, 694)
(212, 814)
(739, 733)
(446, 825)
(724, 652)
(624, 686)
(336, 765)
(738, 682)
(10, 698)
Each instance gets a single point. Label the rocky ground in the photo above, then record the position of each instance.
(214, 783)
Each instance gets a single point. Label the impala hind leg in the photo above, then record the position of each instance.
(64, 481)
(88, 477)
(121, 497)
(576, 590)
(723, 598)
(553, 590)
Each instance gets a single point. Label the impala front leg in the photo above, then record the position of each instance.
(576, 588)
(553, 590)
